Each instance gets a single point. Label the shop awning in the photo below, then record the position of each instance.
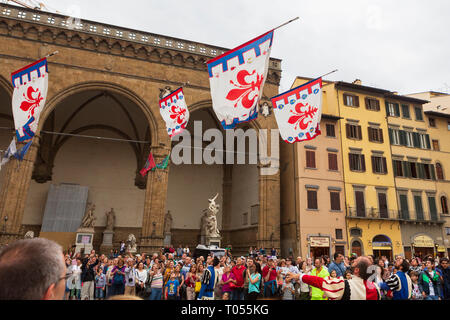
(382, 248)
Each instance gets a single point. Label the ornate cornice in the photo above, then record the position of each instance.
(64, 31)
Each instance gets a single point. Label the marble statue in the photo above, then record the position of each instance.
(211, 218)
(132, 247)
(168, 222)
(29, 235)
(110, 220)
(89, 219)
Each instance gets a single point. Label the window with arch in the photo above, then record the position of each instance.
(439, 171)
(444, 205)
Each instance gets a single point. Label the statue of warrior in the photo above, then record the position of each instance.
(88, 220)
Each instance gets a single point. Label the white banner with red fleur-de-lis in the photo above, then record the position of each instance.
(30, 92)
(175, 112)
(237, 79)
(298, 112)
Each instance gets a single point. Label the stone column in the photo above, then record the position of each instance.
(269, 211)
(226, 203)
(152, 235)
(13, 195)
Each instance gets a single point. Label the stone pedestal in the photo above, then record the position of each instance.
(213, 241)
(84, 240)
(167, 239)
(107, 243)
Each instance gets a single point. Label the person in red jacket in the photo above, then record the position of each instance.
(238, 271)
(270, 274)
(357, 288)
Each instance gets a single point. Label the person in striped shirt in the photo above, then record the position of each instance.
(356, 288)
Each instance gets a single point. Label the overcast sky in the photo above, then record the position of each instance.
(401, 45)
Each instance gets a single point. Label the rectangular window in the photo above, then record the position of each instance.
(424, 141)
(433, 208)
(351, 100)
(310, 159)
(360, 204)
(379, 165)
(375, 134)
(394, 136)
(419, 207)
(382, 205)
(312, 199)
(418, 112)
(413, 169)
(332, 161)
(436, 145)
(353, 131)
(330, 130)
(335, 201)
(404, 210)
(357, 162)
(372, 104)
(432, 122)
(447, 231)
(398, 168)
(339, 234)
(392, 109)
(409, 139)
(405, 111)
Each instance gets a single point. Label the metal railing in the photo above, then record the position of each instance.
(376, 214)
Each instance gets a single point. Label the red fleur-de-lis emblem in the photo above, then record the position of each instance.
(244, 89)
(178, 113)
(300, 116)
(32, 101)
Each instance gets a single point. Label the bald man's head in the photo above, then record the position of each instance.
(360, 266)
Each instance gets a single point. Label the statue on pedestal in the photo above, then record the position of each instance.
(110, 220)
(211, 218)
(89, 219)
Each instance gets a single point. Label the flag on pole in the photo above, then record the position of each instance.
(237, 79)
(149, 165)
(30, 92)
(298, 112)
(175, 112)
(11, 151)
(163, 164)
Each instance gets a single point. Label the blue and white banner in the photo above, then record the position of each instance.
(237, 79)
(30, 92)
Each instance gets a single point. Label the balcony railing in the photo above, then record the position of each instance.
(376, 214)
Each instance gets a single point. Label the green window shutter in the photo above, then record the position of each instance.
(363, 163)
(433, 209)
(406, 169)
(416, 139)
(419, 208)
(402, 136)
(428, 141)
(397, 110)
(433, 173)
(404, 206)
(421, 170)
(394, 166)
(391, 136)
(387, 109)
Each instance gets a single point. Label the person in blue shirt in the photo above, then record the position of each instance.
(210, 278)
(172, 287)
(337, 265)
(399, 283)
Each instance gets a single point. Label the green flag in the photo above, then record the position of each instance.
(164, 164)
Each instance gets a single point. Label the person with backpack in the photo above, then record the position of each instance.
(399, 283)
(430, 283)
(209, 280)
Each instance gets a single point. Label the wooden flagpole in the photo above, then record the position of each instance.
(51, 54)
(292, 20)
(327, 74)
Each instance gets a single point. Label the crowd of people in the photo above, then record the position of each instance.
(180, 275)
(175, 274)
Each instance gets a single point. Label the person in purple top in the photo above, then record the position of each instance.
(118, 281)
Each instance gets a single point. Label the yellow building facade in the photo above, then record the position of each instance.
(371, 205)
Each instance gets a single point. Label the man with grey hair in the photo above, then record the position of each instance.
(32, 269)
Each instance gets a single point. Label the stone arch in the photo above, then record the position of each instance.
(5, 84)
(103, 86)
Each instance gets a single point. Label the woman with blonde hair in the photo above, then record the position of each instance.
(191, 278)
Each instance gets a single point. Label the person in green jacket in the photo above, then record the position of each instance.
(319, 271)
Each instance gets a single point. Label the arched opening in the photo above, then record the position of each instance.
(71, 168)
(6, 122)
(382, 246)
(444, 205)
(356, 248)
(236, 184)
(439, 171)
